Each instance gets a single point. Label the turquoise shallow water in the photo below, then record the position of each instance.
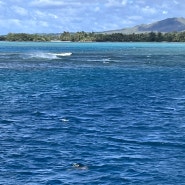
(117, 108)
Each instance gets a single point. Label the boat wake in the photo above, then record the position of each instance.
(49, 56)
(63, 54)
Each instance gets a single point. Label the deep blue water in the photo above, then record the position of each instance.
(117, 108)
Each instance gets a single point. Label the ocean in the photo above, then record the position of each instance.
(92, 113)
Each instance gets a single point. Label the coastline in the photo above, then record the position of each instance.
(96, 37)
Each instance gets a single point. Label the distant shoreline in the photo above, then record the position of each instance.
(96, 37)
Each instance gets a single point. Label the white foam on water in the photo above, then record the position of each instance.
(63, 54)
(40, 55)
(43, 55)
(64, 120)
(104, 60)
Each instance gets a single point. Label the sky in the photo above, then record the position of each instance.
(57, 16)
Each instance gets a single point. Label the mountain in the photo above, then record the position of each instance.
(166, 25)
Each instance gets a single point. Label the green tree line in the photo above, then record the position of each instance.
(97, 37)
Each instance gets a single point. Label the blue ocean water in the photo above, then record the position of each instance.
(117, 108)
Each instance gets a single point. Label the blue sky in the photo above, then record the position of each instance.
(56, 16)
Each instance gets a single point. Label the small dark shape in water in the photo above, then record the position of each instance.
(80, 166)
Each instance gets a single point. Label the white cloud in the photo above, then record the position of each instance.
(2, 3)
(135, 18)
(165, 12)
(39, 14)
(19, 10)
(127, 22)
(97, 9)
(110, 3)
(124, 2)
(175, 2)
(50, 4)
(53, 16)
(115, 3)
(43, 24)
(15, 22)
(149, 10)
(2, 9)
(46, 3)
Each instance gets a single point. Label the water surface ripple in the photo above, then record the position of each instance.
(117, 108)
